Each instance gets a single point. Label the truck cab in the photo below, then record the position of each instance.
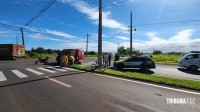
(190, 61)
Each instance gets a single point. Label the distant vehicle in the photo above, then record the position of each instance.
(12, 51)
(78, 54)
(190, 61)
(143, 62)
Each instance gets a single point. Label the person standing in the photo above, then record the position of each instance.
(61, 60)
(106, 59)
(117, 57)
(109, 59)
(65, 60)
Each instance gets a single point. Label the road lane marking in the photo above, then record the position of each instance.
(34, 71)
(19, 74)
(58, 82)
(70, 69)
(169, 88)
(62, 70)
(2, 77)
(166, 69)
(51, 71)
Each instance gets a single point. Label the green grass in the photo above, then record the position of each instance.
(37, 55)
(167, 58)
(191, 84)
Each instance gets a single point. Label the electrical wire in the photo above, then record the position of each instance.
(3, 25)
(115, 3)
(41, 12)
(170, 22)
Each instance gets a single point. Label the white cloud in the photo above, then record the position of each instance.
(52, 32)
(93, 14)
(123, 38)
(181, 42)
(58, 33)
(43, 37)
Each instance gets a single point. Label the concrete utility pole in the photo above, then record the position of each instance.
(87, 45)
(22, 36)
(100, 34)
(131, 31)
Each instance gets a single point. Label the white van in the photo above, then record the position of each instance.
(190, 61)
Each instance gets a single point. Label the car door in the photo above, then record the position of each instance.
(192, 59)
(133, 62)
(128, 63)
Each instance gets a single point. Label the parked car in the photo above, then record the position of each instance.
(143, 62)
(190, 61)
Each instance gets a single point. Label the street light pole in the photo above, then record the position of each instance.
(100, 34)
(131, 31)
(87, 45)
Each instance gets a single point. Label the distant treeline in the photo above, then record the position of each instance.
(42, 50)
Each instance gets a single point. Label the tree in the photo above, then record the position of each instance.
(92, 53)
(40, 50)
(157, 52)
(122, 51)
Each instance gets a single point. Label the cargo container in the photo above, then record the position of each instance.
(11, 51)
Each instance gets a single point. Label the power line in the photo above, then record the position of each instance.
(170, 22)
(115, 3)
(9, 26)
(41, 12)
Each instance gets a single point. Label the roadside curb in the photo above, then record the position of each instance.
(149, 81)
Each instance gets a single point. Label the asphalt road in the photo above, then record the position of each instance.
(25, 87)
(166, 70)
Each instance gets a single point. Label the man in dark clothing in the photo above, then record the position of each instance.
(109, 59)
(117, 57)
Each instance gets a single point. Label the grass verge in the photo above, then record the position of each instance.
(184, 83)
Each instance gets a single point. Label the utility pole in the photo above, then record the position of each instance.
(100, 34)
(131, 31)
(87, 45)
(22, 36)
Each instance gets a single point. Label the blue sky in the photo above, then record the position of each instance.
(66, 23)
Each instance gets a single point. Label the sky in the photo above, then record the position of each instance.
(166, 25)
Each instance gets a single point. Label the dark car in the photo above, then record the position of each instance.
(143, 62)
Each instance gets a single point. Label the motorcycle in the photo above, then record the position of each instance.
(41, 60)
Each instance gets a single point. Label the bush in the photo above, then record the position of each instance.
(157, 52)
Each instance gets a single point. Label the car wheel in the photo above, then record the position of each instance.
(193, 67)
(120, 67)
(145, 68)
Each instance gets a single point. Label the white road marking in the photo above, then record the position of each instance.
(19, 74)
(58, 82)
(34, 71)
(2, 77)
(70, 69)
(62, 70)
(185, 91)
(166, 69)
(51, 71)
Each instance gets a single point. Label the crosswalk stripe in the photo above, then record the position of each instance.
(19, 74)
(70, 69)
(62, 70)
(34, 71)
(2, 77)
(51, 71)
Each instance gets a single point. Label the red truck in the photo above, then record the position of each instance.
(11, 51)
(78, 54)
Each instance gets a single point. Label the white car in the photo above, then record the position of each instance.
(190, 61)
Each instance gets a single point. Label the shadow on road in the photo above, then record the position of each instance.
(137, 70)
(197, 72)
